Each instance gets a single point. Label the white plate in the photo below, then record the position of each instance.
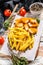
(30, 54)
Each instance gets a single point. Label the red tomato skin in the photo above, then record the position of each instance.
(22, 12)
(1, 40)
(7, 12)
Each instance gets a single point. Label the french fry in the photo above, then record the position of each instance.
(14, 45)
(17, 47)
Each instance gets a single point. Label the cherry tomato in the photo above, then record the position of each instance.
(22, 12)
(7, 12)
(1, 40)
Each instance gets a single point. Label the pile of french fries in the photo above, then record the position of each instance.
(19, 39)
